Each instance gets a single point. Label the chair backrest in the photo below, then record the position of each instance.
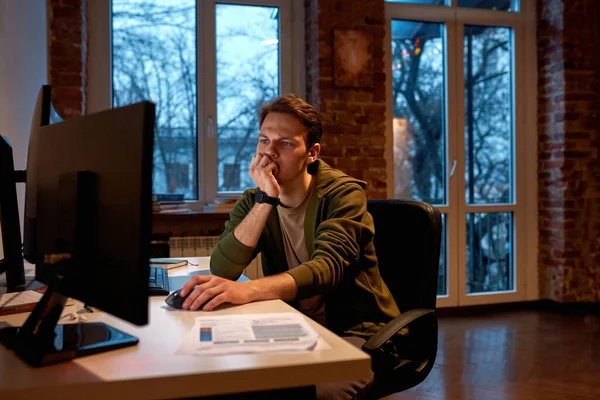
(407, 241)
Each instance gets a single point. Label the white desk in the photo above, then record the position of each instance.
(153, 370)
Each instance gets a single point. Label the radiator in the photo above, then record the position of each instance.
(202, 246)
(191, 246)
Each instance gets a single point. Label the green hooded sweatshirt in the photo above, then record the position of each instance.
(339, 234)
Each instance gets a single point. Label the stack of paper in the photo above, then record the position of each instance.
(19, 302)
(250, 333)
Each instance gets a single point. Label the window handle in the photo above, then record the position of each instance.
(453, 168)
(210, 128)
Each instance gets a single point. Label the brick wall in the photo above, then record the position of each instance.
(569, 149)
(353, 117)
(67, 55)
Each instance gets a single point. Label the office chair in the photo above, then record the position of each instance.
(407, 242)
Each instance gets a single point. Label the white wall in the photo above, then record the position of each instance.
(23, 69)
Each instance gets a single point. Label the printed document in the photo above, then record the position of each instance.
(252, 333)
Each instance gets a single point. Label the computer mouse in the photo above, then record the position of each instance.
(175, 300)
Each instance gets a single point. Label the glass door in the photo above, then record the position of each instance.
(420, 122)
(456, 143)
(489, 189)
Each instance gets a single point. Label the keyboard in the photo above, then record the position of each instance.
(158, 284)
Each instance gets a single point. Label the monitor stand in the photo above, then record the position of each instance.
(41, 341)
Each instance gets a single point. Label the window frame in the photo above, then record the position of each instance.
(292, 76)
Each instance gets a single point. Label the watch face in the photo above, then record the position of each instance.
(262, 197)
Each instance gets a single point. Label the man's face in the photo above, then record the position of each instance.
(282, 138)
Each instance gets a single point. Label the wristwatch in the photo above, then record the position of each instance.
(262, 197)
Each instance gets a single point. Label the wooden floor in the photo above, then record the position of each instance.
(537, 355)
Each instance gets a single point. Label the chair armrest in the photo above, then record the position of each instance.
(393, 327)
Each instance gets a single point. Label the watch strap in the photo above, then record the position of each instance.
(262, 197)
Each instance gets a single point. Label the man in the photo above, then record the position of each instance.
(310, 224)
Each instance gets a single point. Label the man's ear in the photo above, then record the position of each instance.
(313, 153)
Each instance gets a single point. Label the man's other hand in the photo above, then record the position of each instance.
(213, 291)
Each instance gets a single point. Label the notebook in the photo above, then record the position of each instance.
(20, 302)
(169, 263)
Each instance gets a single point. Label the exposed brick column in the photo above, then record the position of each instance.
(353, 118)
(67, 55)
(569, 150)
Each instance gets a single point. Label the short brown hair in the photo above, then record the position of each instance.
(292, 104)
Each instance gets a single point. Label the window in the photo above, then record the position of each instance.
(494, 5)
(419, 97)
(247, 75)
(208, 66)
(154, 57)
(420, 2)
(460, 86)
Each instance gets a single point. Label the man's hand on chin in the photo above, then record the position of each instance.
(263, 171)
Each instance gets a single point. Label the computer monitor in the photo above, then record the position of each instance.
(43, 114)
(93, 223)
(12, 263)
